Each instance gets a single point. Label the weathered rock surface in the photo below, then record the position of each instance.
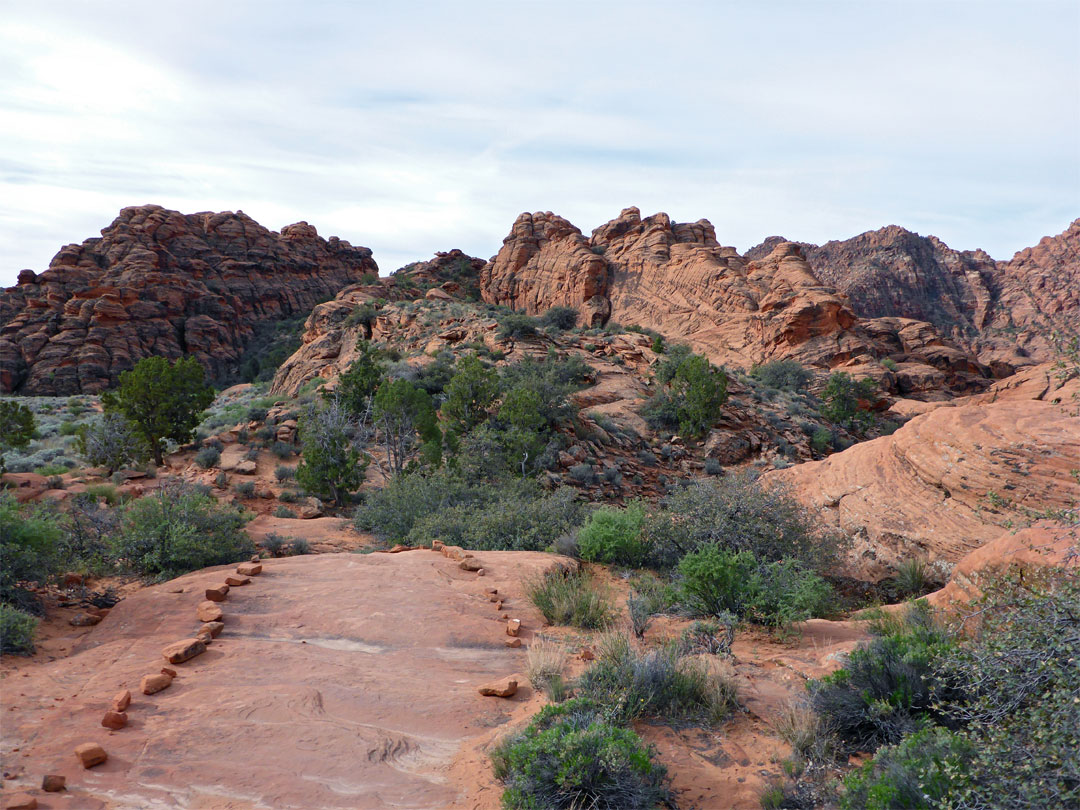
(1007, 312)
(318, 700)
(947, 482)
(158, 282)
(678, 279)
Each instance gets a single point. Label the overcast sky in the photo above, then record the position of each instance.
(416, 127)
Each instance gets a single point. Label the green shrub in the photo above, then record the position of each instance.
(713, 637)
(178, 529)
(821, 440)
(284, 512)
(570, 598)
(16, 631)
(660, 684)
(333, 440)
(17, 427)
(300, 546)
(738, 514)
(208, 457)
(614, 536)
(917, 773)
(648, 596)
(282, 450)
(521, 518)
(275, 544)
(112, 443)
(889, 363)
(717, 581)
(245, 489)
(51, 469)
(288, 496)
(284, 473)
(30, 538)
(912, 577)
(783, 375)
(517, 325)
(569, 758)
(561, 318)
(106, 492)
(886, 688)
(841, 398)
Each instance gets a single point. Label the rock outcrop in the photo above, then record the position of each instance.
(1011, 314)
(677, 279)
(158, 282)
(947, 482)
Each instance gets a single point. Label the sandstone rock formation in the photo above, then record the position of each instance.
(677, 279)
(1008, 312)
(947, 482)
(158, 282)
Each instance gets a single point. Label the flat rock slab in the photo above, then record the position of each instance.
(321, 696)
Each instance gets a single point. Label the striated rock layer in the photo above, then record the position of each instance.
(1011, 314)
(677, 279)
(949, 481)
(158, 282)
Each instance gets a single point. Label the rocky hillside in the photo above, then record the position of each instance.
(158, 282)
(677, 279)
(1006, 312)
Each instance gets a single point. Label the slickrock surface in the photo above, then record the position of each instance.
(340, 681)
(947, 482)
(1006, 311)
(158, 282)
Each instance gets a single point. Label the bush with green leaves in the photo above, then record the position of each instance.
(570, 757)
(405, 419)
(357, 384)
(887, 688)
(661, 684)
(841, 400)
(516, 516)
(561, 318)
(692, 392)
(716, 581)
(920, 772)
(208, 457)
(783, 375)
(111, 442)
(570, 597)
(16, 631)
(517, 325)
(614, 536)
(332, 461)
(553, 379)
(469, 394)
(161, 401)
(178, 529)
(17, 425)
(30, 540)
(737, 513)
(283, 472)
(245, 489)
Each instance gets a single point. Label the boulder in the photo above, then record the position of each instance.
(218, 593)
(249, 569)
(53, 783)
(20, 801)
(235, 582)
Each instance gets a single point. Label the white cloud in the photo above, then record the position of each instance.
(416, 127)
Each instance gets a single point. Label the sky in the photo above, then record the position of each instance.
(415, 127)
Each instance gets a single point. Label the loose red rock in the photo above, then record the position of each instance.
(234, 582)
(251, 569)
(84, 620)
(184, 650)
(114, 720)
(90, 754)
(208, 612)
(168, 671)
(20, 801)
(513, 642)
(217, 593)
(513, 627)
(155, 683)
(121, 701)
(53, 783)
(504, 688)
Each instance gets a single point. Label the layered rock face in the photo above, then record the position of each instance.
(1006, 312)
(676, 278)
(951, 480)
(158, 282)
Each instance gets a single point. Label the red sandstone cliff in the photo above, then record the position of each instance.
(158, 282)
